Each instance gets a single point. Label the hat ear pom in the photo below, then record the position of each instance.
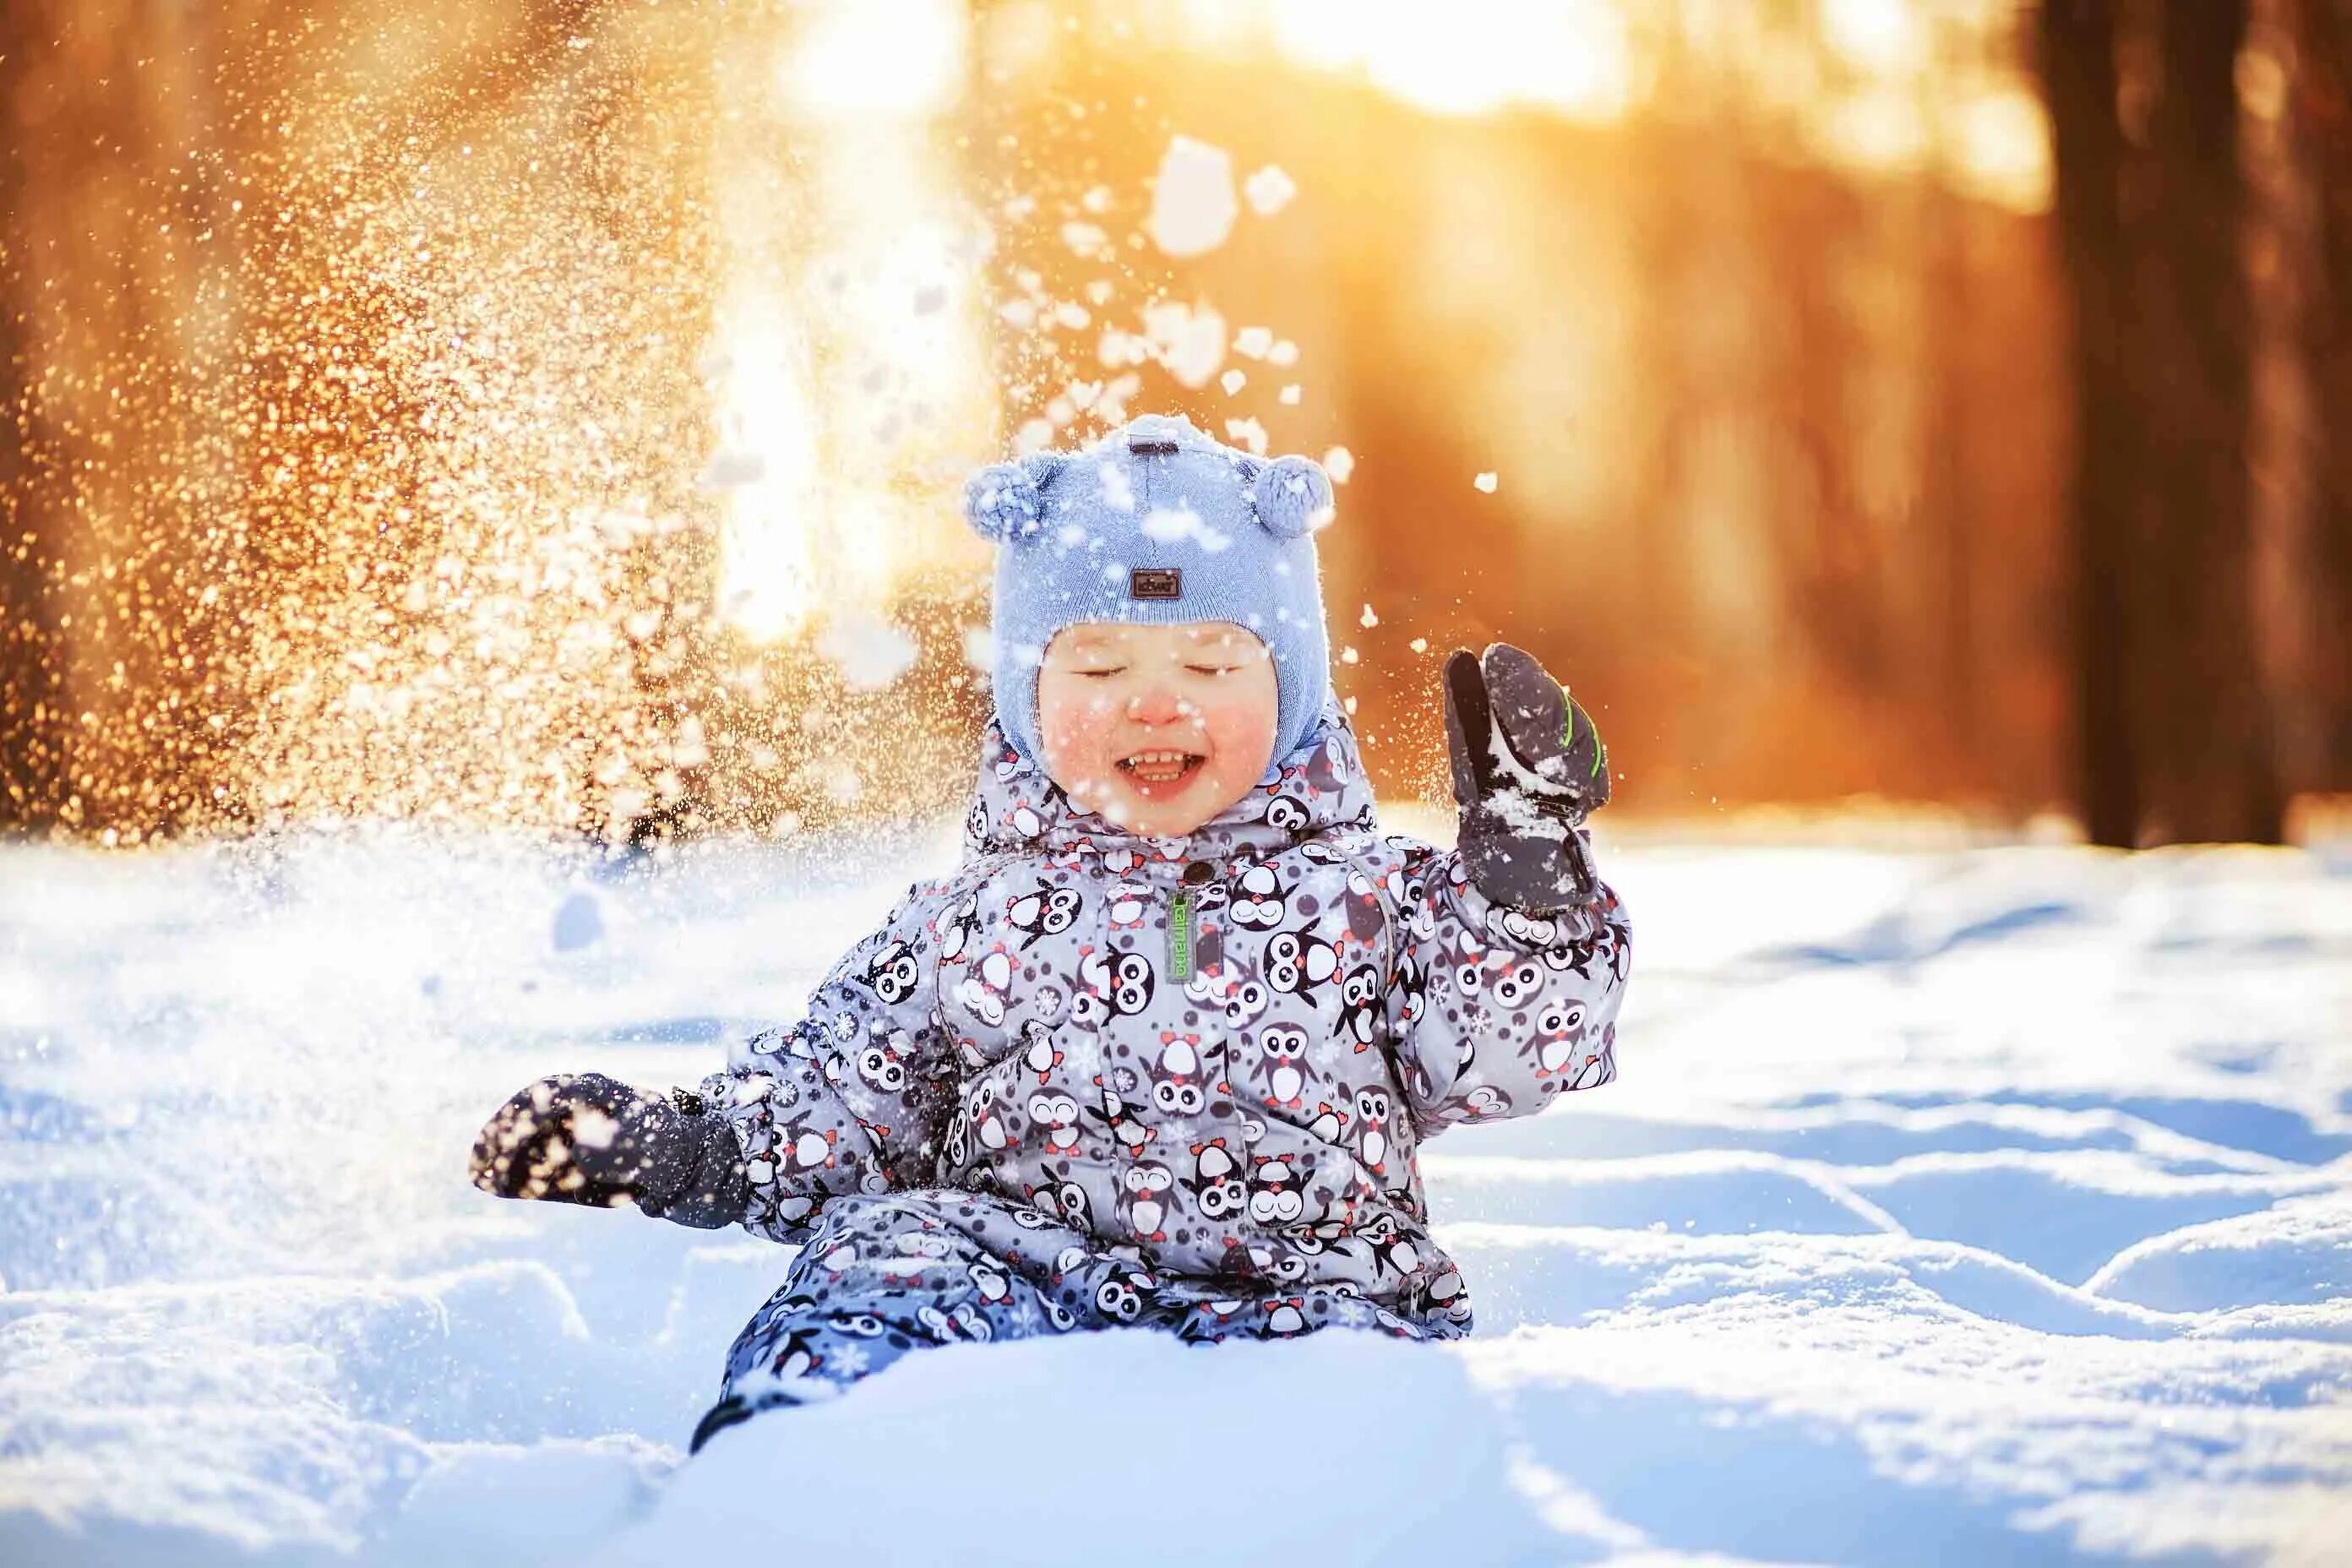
(1005, 502)
(1292, 496)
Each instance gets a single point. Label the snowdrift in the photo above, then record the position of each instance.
(1978, 1206)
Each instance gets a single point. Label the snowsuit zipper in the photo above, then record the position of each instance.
(1183, 936)
(1179, 936)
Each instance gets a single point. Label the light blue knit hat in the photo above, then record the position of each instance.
(1154, 524)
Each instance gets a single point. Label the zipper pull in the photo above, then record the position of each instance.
(1181, 936)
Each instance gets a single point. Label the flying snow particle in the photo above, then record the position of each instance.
(1192, 205)
(1269, 190)
(1117, 493)
(1283, 353)
(1249, 433)
(1419, 645)
(1085, 238)
(1487, 483)
(1034, 436)
(1123, 348)
(980, 649)
(1367, 619)
(1347, 654)
(869, 651)
(1171, 525)
(1289, 395)
(1338, 462)
(733, 470)
(1250, 343)
(1111, 407)
(579, 922)
(1232, 381)
(1189, 340)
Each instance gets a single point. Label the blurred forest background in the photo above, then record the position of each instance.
(550, 414)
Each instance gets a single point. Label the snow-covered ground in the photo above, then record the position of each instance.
(1972, 1207)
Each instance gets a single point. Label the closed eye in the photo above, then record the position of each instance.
(1102, 674)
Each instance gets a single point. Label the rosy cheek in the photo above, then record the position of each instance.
(1075, 726)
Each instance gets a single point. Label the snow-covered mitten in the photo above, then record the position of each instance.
(1528, 767)
(585, 1138)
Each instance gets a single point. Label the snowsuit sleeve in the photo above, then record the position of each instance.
(852, 1098)
(1492, 1010)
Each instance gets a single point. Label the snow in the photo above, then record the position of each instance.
(1987, 1205)
(1192, 202)
(1176, 524)
(868, 651)
(1188, 340)
(1269, 190)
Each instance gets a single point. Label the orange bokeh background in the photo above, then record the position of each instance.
(553, 416)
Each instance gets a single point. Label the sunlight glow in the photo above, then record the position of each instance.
(846, 358)
(1572, 57)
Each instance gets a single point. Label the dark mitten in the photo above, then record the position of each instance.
(1528, 767)
(585, 1138)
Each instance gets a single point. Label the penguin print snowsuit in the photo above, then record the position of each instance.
(1091, 1080)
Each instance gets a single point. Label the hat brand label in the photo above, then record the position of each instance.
(1155, 582)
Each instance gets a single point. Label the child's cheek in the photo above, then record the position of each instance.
(1241, 721)
(1075, 726)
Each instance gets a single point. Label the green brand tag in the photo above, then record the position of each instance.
(1180, 937)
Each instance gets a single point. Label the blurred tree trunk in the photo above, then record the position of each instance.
(2078, 63)
(2175, 734)
(2320, 110)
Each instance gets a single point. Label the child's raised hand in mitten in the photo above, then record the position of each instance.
(585, 1138)
(1528, 767)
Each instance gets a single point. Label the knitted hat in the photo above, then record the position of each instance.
(1155, 524)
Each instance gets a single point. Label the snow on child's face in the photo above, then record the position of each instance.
(1157, 728)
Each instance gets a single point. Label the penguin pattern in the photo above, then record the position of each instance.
(1007, 1113)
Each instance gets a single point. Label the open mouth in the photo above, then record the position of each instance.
(1161, 773)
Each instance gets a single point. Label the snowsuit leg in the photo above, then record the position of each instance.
(879, 1277)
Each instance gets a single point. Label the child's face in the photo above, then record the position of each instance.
(1157, 728)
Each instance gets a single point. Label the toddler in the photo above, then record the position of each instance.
(1161, 1050)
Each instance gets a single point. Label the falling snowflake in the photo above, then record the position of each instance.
(1269, 191)
(1487, 483)
(869, 651)
(1189, 340)
(1117, 493)
(1173, 525)
(1192, 205)
(1338, 462)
